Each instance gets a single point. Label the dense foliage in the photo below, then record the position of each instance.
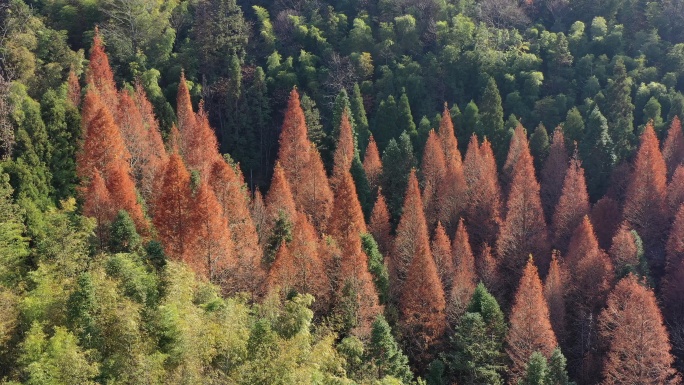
(341, 192)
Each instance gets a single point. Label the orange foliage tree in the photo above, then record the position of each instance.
(606, 214)
(441, 252)
(465, 278)
(73, 89)
(433, 172)
(572, 206)
(624, 251)
(530, 329)
(448, 138)
(185, 116)
(213, 249)
(673, 148)
(488, 270)
(673, 282)
(379, 224)
(124, 197)
(632, 328)
(646, 197)
(97, 203)
(675, 191)
(372, 164)
(155, 155)
(99, 73)
(200, 148)
(172, 215)
(450, 191)
(517, 146)
(523, 232)
(553, 173)
(483, 195)
(554, 293)
(344, 151)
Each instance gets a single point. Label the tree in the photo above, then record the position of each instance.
(606, 215)
(675, 190)
(73, 89)
(537, 370)
(172, 216)
(123, 237)
(554, 293)
(523, 232)
(672, 288)
(465, 278)
(154, 155)
(441, 251)
(379, 224)
(645, 203)
(372, 165)
(14, 246)
(539, 145)
(553, 173)
(97, 203)
(673, 148)
(518, 145)
(404, 117)
(447, 137)
(200, 147)
(620, 110)
(100, 74)
(376, 266)
(597, 153)
(359, 113)
(491, 124)
(397, 163)
(638, 345)
(280, 211)
(572, 206)
(433, 171)
(345, 149)
(530, 326)
(574, 126)
(625, 251)
(483, 195)
(386, 126)
(213, 252)
(558, 374)
(314, 128)
(385, 354)
(123, 193)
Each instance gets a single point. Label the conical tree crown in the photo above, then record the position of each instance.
(310, 272)
(433, 172)
(99, 72)
(345, 150)
(202, 149)
(122, 189)
(449, 196)
(347, 218)
(675, 242)
(372, 164)
(606, 214)
(380, 226)
(465, 279)
(448, 138)
(97, 203)
(673, 149)
(673, 285)
(213, 250)
(675, 190)
(530, 329)
(518, 145)
(483, 196)
(293, 153)
(572, 206)
(185, 115)
(554, 293)
(279, 197)
(624, 251)
(638, 344)
(441, 252)
(553, 173)
(73, 89)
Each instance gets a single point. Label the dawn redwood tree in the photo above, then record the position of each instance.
(553, 173)
(441, 252)
(345, 151)
(433, 172)
(624, 251)
(488, 270)
(675, 191)
(465, 279)
(213, 249)
(379, 224)
(450, 194)
(99, 73)
(673, 148)
(483, 194)
(572, 206)
(257, 210)
(518, 145)
(410, 232)
(530, 329)
(92, 102)
(554, 293)
(447, 137)
(632, 328)
(646, 199)
(123, 193)
(97, 203)
(606, 214)
(185, 115)
(523, 232)
(172, 216)
(673, 282)
(372, 164)
(200, 147)
(155, 155)
(279, 201)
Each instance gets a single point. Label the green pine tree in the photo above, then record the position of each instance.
(558, 373)
(386, 123)
(537, 370)
(539, 146)
(491, 122)
(397, 160)
(376, 266)
(597, 153)
(385, 353)
(359, 114)
(405, 121)
(573, 128)
(620, 111)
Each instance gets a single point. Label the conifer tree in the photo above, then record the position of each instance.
(124, 197)
(465, 279)
(483, 196)
(441, 251)
(433, 171)
(573, 128)
(638, 344)
(372, 165)
(606, 215)
(359, 113)
(530, 326)
(385, 354)
(448, 139)
(185, 116)
(345, 150)
(645, 203)
(539, 146)
(597, 153)
(257, 210)
(99, 73)
(523, 232)
(624, 251)
(536, 371)
(553, 173)
(97, 203)
(405, 121)
(518, 145)
(449, 195)
(213, 252)
(673, 287)
(675, 191)
(491, 123)
(488, 269)
(172, 216)
(341, 107)
(620, 110)
(380, 226)
(673, 148)
(572, 206)
(73, 89)
(316, 198)
(376, 266)
(386, 127)
(280, 212)
(314, 128)
(155, 155)
(397, 163)
(554, 293)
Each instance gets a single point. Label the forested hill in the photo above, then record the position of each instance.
(350, 192)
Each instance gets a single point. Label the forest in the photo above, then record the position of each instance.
(363, 192)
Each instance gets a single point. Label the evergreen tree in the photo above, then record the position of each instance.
(491, 121)
(573, 128)
(558, 374)
(537, 370)
(539, 146)
(123, 236)
(397, 162)
(598, 155)
(312, 116)
(13, 244)
(359, 113)
(405, 121)
(471, 119)
(385, 354)
(386, 123)
(377, 267)
(341, 108)
(620, 110)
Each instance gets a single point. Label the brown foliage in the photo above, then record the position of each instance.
(624, 250)
(257, 210)
(530, 329)
(155, 156)
(344, 152)
(347, 223)
(73, 89)
(638, 345)
(483, 195)
(316, 199)
(100, 74)
(518, 145)
(433, 172)
(554, 292)
(372, 164)
(673, 148)
(605, 214)
(279, 198)
(452, 156)
(646, 194)
(122, 190)
(97, 203)
(92, 103)
(675, 191)
(450, 194)
(553, 173)
(185, 116)
(523, 232)
(441, 251)
(213, 248)
(200, 147)
(572, 206)
(379, 225)
(465, 279)
(488, 270)
(173, 210)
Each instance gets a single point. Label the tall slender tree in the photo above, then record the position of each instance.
(624, 251)
(572, 206)
(380, 226)
(433, 172)
(606, 215)
(675, 191)
(555, 292)
(99, 73)
(441, 251)
(372, 164)
(213, 253)
(123, 192)
(518, 145)
(553, 173)
(465, 279)
(673, 148)
(97, 203)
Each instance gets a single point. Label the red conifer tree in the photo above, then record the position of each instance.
(465, 279)
(200, 147)
(524, 230)
(213, 249)
(155, 157)
(379, 225)
(452, 156)
(673, 282)
(92, 103)
(518, 145)
(173, 210)
(124, 197)
(100, 74)
(344, 152)
(279, 199)
(449, 197)
(673, 149)
(646, 195)
(554, 292)
(441, 251)
(483, 195)
(572, 206)
(553, 173)
(488, 270)
(257, 209)
(433, 172)
(372, 164)
(185, 116)
(606, 215)
(530, 329)
(675, 191)
(97, 203)
(638, 345)
(624, 251)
